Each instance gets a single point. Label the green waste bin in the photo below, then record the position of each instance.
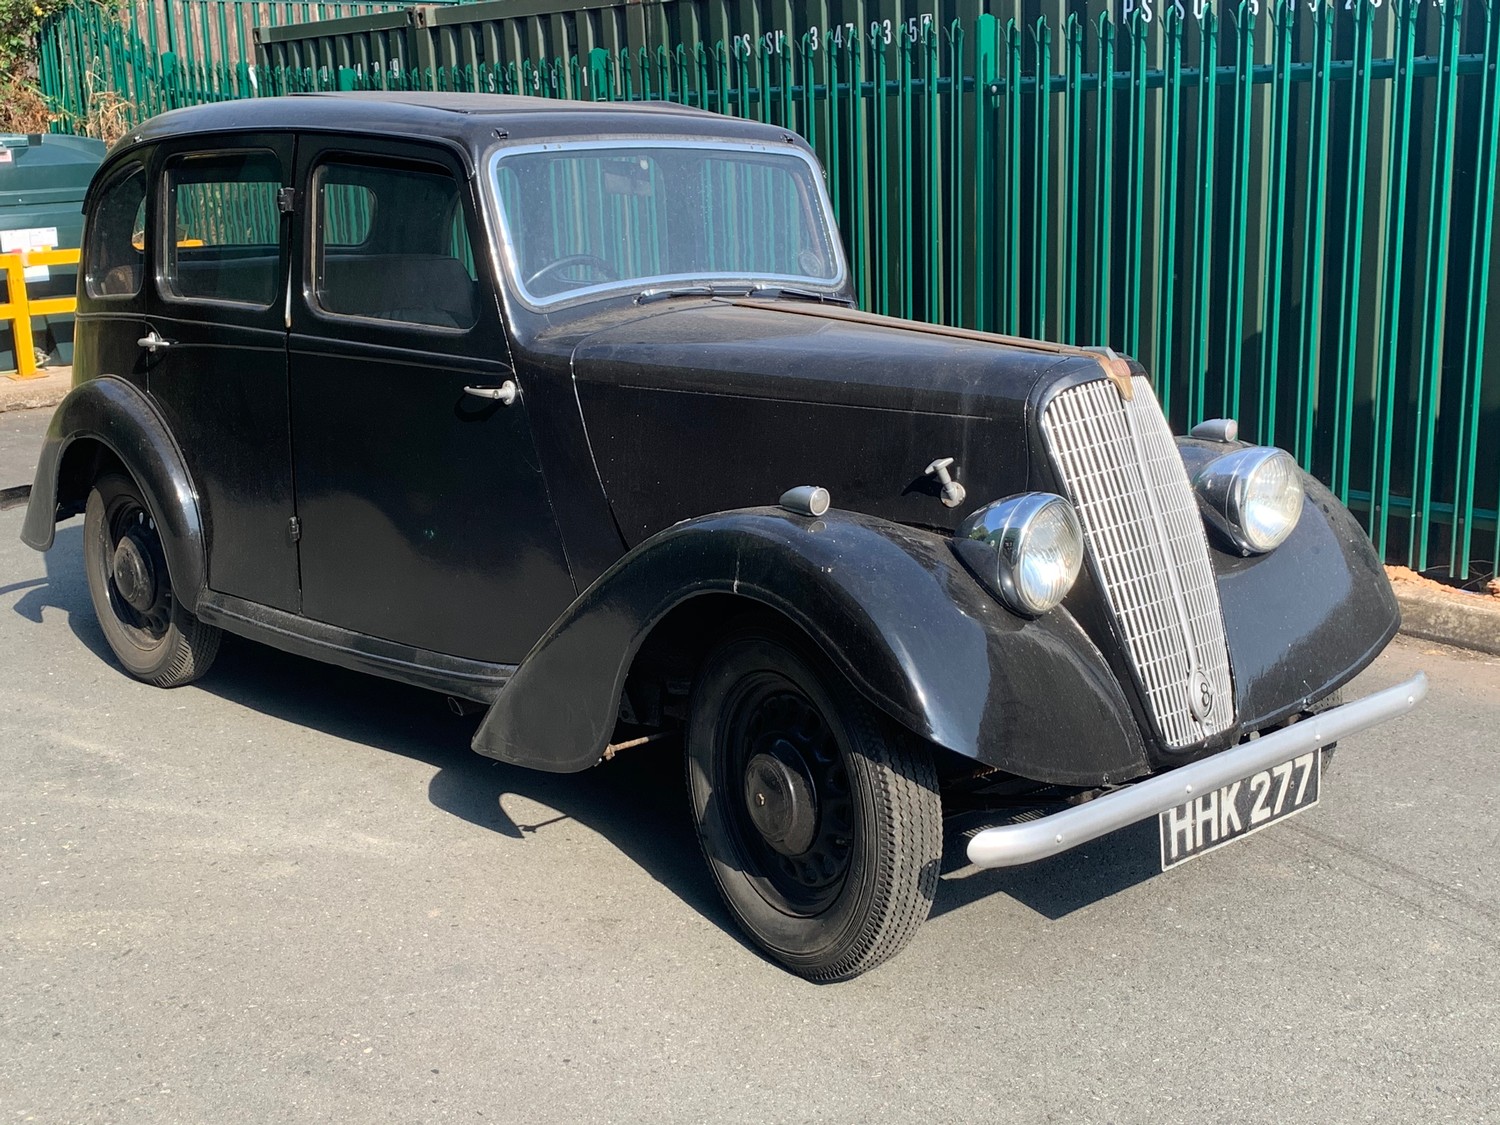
(43, 178)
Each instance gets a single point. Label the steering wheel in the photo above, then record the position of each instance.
(598, 264)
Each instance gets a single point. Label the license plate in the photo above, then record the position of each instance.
(1224, 815)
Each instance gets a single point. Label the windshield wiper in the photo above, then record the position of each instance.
(789, 291)
(799, 294)
(649, 295)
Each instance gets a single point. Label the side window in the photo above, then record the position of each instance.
(349, 212)
(458, 242)
(223, 228)
(117, 238)
(391, 243)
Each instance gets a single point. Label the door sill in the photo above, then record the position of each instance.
(476, 680)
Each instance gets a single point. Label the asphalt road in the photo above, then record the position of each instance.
(21, 433)
(290, 893)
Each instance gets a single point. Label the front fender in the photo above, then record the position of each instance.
(123, 420)
(890, 606)
(1306, 618)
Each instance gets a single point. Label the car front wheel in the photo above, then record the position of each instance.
(820, 820)
(154, 636)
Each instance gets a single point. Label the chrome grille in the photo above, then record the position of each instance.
(1147, 549)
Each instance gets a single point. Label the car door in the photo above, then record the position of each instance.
(114, 286)
(425, 518)
(215, 350)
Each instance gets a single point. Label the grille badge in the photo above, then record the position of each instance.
(1148, 551)
(1200, 696)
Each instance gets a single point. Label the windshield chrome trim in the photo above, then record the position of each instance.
(511, 267)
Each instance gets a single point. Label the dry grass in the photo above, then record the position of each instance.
(22, 107)
(108, 116)
(1402, 576)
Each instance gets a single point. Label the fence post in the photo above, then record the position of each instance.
(19, 308)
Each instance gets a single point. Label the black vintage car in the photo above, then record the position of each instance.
(567, 410)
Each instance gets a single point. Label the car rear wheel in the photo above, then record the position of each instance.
(820, 820)
(151, 633)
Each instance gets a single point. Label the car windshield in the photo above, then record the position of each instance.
(589, 218)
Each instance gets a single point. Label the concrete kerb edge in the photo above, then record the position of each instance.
(1447, 620)
(35, 394)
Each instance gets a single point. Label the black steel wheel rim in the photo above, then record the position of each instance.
(129, 531)
(772, 738)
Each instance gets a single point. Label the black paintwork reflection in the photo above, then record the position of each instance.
(893, 608)
(1305, 618)
(222, 390)
(425, 515)
(708, 406)
(221, 386)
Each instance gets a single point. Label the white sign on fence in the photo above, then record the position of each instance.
(30, 238)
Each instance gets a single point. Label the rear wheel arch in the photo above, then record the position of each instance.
(105, 426)
(84, 461)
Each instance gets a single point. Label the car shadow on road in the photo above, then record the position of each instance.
(637, 801)
(63, 587)
(1052, 887)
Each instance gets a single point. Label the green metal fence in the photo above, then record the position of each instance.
(1285, 210)
(140, 57)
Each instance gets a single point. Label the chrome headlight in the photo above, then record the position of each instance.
(1027, 549)
(1253, 496)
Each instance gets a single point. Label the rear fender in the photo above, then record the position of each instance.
(891, 607)
(122, 420)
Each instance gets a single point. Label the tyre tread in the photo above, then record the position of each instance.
(190, 644)
(196, 647)
(906, 784)
(895, 773)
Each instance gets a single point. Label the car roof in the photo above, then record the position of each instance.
(471, 121)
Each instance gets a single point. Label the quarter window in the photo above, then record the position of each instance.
(117, 238)
(224, 228)
(392, 244)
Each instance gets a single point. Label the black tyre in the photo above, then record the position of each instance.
(820, 820)
(152, 634)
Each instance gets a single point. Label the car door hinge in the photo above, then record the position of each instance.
(286, 199)
(294, 525)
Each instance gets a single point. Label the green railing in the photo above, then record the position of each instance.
(1286, 214)
(135, 58)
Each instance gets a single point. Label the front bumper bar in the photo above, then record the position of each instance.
(1032, 840)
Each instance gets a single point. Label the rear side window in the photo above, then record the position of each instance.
(223, 228)
(392, 243)
(349, 212)
(117, 237)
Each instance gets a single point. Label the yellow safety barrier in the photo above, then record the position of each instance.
(19, 308)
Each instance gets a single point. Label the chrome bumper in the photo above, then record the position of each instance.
(1014, 844)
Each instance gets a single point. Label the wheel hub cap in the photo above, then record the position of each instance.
(779, 797)
(134, 574)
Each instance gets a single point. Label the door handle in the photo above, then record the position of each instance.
(154, 342)
(505, 393)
